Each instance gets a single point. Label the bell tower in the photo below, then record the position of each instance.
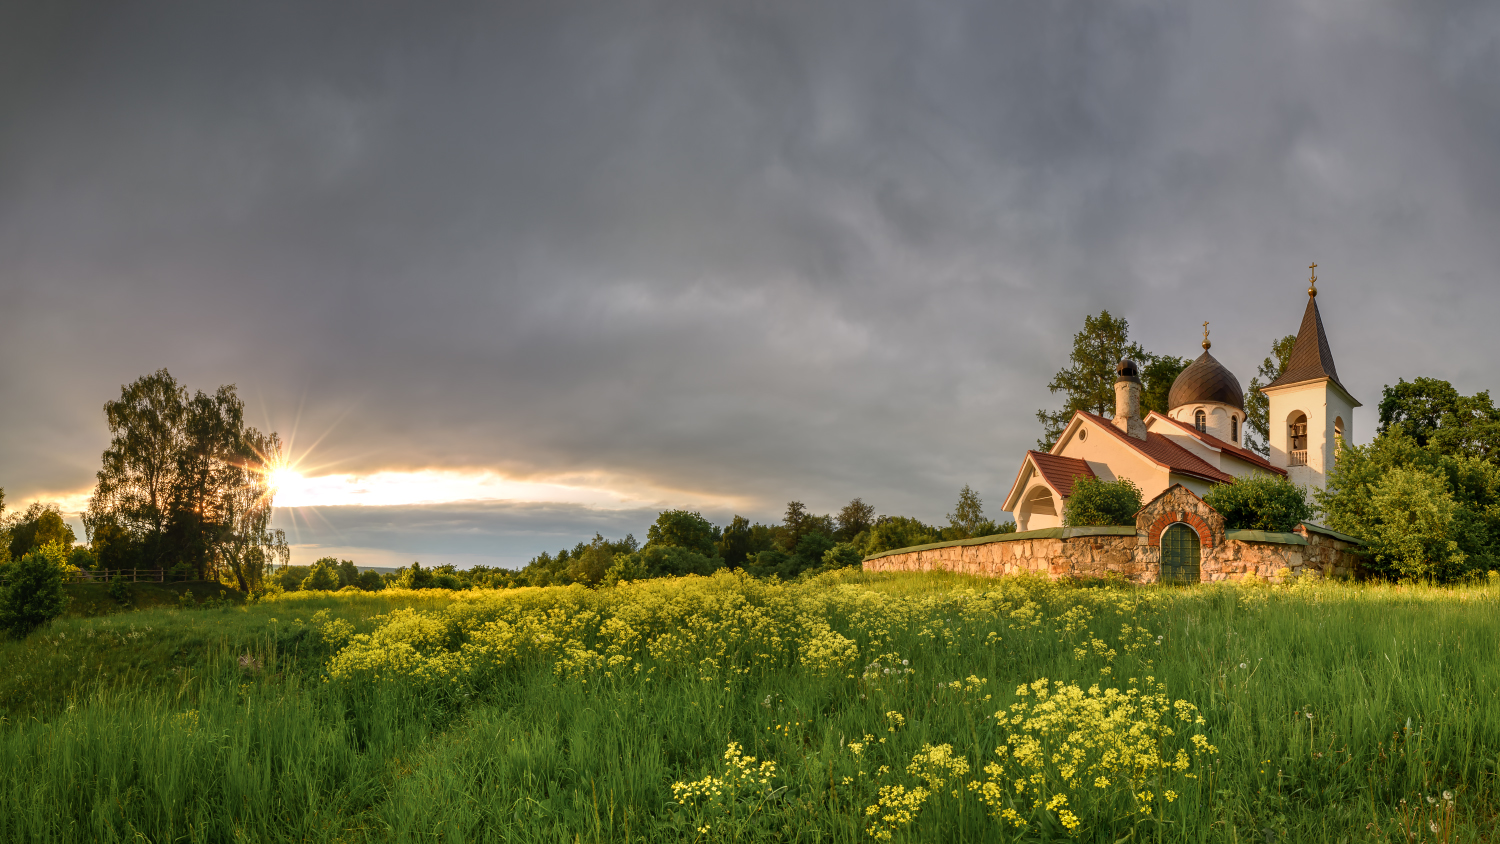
(1310, 414)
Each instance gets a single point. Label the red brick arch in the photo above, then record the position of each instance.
(1191, 519)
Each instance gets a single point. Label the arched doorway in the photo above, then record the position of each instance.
(1180, 554)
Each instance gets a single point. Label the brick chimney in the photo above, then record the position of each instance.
(1128, 400)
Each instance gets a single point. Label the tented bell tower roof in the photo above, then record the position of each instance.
(1311, 358)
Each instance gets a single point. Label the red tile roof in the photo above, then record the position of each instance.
(1060, 472)
(1244, 454)
(1159, 449)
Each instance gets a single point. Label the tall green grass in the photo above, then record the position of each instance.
(183, 739)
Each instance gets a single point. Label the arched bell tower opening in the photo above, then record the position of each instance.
(1296, 439)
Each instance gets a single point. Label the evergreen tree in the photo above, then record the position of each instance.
(1089, 380)
(1158, 372)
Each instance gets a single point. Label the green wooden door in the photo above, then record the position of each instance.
(1179, 555)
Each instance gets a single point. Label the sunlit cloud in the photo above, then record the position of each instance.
(438, 486)
(73, 503)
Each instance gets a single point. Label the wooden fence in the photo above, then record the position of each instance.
(106, 575)
(128, 575)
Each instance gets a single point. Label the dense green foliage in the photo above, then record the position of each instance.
(684, 529)
(323, 577)
(32, 591)
(1334, 713)
(326, 574)
(1096, 502)
(1257, 432)
(1424, 513)
(184, 485)
(682, 542)
(1434, 414)
(1425, 494)
(34, 527)
(1260, 502)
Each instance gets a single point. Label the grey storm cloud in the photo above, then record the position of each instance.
(772, 250)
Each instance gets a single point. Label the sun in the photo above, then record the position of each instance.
(282, 476)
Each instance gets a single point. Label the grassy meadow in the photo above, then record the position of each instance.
(852, 707)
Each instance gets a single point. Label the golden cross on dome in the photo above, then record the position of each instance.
(1206, 344)
(1312, 283)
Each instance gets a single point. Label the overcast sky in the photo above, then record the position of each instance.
(597, 259)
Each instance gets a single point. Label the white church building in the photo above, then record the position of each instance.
(1200, 440)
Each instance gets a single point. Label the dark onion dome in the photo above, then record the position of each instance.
(1206, 380)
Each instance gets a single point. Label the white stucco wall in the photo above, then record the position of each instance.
(1111, 459)
(1217, 422)
(1323, 404)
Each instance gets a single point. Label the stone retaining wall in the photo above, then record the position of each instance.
(1134, 553)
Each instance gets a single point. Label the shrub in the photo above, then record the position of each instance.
(1413, 521)
(33, 591)
(1260, 502)
(592, 566)
(892, 532)
(81, 557)
(288, 578)
(324, 577)
(626, 567)
(1097, 503)
(1364, 493)
(414, 577)
(119, 592)
(773, 563)
(842, 555)
(673, 561)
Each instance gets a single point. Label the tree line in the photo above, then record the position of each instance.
(682, 542)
